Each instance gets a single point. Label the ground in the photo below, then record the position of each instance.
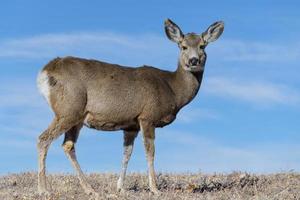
(237, 186)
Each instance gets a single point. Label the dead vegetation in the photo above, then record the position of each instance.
(237, 186)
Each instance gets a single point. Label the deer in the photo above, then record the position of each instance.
(110, 97)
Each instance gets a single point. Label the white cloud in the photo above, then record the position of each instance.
(107, 45)
(238, 50)
(135, 49)
(20, 93)
(49, 44)
(189, 115)
(18, 144)
(252, 91)
(189, 151)
(23, 111)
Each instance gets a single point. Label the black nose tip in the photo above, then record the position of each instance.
(194, 61)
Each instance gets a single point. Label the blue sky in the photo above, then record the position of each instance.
(245, 117)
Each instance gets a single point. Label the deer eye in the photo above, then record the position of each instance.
(184, 47)
(202, 47)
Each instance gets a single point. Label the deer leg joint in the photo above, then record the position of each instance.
(68, 146)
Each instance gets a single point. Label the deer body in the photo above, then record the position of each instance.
(111, 97)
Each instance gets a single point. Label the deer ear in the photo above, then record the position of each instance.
(173, 31)
(213, 32)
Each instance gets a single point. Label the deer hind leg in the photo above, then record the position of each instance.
(56, 128)
(148, 131)
(129, 137)
(68, 145)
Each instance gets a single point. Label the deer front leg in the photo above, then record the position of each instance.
(148, 137)
(129, 137)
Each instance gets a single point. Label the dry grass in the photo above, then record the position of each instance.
(237, 186)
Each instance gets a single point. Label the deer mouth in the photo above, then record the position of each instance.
(195, 68)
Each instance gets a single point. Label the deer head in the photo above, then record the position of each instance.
(192, 46)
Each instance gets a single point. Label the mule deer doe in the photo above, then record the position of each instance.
(111, 97)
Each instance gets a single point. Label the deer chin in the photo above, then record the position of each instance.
(194, 68)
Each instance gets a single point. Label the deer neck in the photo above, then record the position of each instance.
(186, 85)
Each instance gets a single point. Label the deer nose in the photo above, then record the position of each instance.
(194, 61)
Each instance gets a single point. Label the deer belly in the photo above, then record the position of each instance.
(165, 120)
(107, 125)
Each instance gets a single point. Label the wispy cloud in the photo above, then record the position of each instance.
(17, 95)
(49, 44)
(109, 46)
(189, 115)
(258, 92)
(195, 152)
(17, 144)
(22, 109)
(238, 50)
(112, 45)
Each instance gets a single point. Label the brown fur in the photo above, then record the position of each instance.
(112, 97)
